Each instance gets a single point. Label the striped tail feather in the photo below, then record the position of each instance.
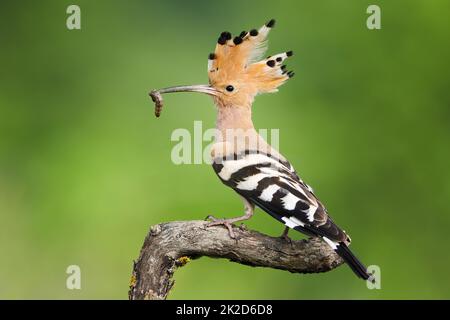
(339, 247)
(345, 253)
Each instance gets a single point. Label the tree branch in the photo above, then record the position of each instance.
(173, 244)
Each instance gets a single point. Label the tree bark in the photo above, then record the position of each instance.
(171, 245)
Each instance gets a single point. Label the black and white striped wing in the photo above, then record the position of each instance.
(273, 185)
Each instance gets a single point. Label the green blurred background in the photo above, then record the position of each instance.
(85, 166)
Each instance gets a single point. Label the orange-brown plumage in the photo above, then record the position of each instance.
(237, 62)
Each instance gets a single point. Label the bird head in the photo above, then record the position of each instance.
(236, 70)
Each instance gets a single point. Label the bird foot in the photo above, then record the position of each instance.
(228, 223)
(285, 237)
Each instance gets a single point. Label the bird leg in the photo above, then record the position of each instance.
(249, 209)
(285, 236)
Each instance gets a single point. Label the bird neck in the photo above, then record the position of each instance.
(236, 133)
(231, 119)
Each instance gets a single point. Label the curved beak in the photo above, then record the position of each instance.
(157, 98)
(202, 88)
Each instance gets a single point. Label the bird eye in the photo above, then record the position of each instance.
(229, 88)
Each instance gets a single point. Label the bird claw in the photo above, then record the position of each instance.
(286, 238)
(221, 222)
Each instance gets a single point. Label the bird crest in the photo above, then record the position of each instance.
(239, 59)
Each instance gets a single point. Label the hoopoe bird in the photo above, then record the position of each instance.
(242, 159)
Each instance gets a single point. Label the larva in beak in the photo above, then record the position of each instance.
(156, 95)
(158, 100)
